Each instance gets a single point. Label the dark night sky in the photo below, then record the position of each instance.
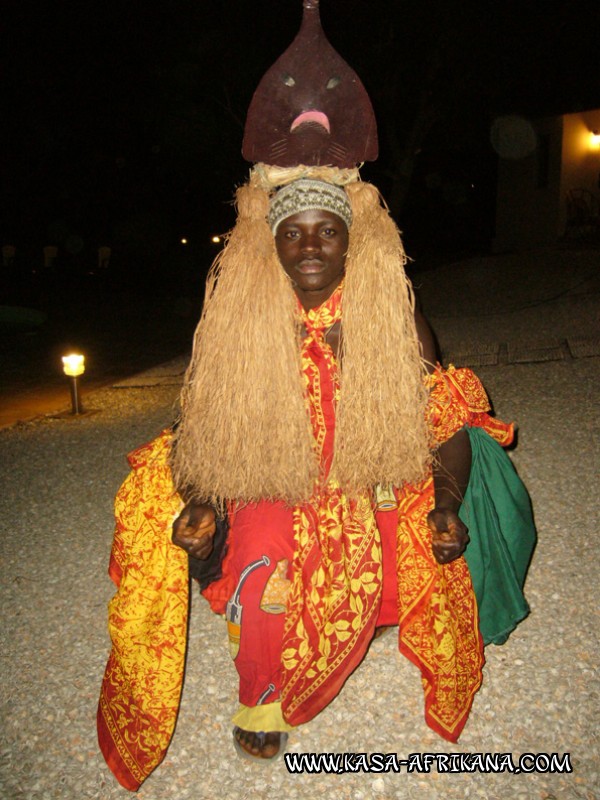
(124, 118)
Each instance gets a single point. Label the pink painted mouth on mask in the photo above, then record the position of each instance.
(311, 116)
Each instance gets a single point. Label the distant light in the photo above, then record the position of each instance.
(216, 239)
(73, 365)
(184, 241)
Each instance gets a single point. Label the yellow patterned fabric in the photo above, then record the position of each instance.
(147, 621)
(457, 398)
(437, 616)
(437, 608)
(333, 602)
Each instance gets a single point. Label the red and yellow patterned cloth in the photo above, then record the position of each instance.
(336, 572)
(336, 583)
(148, 616)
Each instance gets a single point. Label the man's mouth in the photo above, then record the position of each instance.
(308, 266)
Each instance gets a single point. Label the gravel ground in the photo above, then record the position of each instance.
(540, 691)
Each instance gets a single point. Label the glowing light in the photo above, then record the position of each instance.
(595, 140)
(184, 241)
(216, 239)
(73, 365)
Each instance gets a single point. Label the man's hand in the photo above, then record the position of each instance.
(449, 535)
(194, 528)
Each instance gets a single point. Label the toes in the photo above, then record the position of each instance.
(262, 745)
(271, 745)
(247, 740)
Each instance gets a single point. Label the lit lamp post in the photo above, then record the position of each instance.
(74, 366)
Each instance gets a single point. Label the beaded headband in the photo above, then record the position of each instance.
(306, 194)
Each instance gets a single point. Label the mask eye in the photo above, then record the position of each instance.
(333, 82)
(288, 80)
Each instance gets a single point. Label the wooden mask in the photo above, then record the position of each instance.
(310, 107)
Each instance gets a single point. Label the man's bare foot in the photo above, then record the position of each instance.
(259, 745)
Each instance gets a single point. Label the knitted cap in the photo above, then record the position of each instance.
(307, 194)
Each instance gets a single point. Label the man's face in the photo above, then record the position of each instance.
(312, 247)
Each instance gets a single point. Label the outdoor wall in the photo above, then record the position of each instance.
(528, 205)
(580, 157)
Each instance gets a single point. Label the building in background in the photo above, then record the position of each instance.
(548, 180)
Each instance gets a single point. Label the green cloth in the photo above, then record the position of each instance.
(497, 511)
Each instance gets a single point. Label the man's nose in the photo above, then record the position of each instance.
(311, 242)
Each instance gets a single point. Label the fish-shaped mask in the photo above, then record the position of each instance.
(310, 106)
